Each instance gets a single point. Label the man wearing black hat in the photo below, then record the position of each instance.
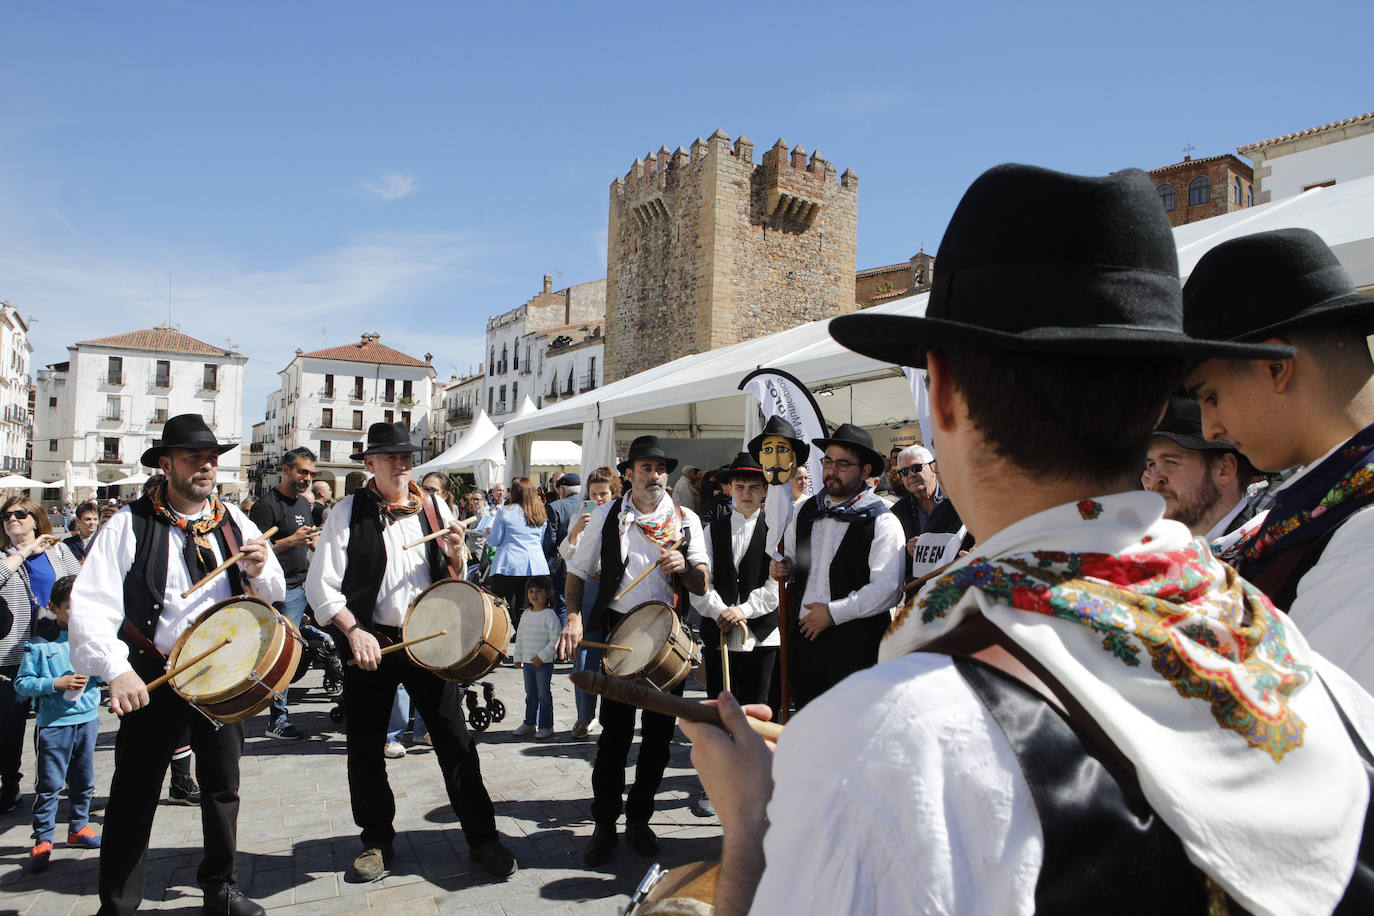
(844, 549)
(1195, 756)
(624, 538)
(1203, 483)
(363, 581)
(127, 614)
(1313, 407)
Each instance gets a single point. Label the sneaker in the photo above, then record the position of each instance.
(38, 858)
(494, 859)
(370, 864)
(183, 792)
(642, 839)
(283, 730)
(544, 733)
(86, 838)
(394, 750)
(579, 729)
(524, 731)
(424, 739)
(228, 899)
(701, 805)
(602, 845)
(9, 797)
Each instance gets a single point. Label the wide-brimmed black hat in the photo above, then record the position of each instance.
(777, 426)
(187, 430)
(856, 438)
(744, 464)
(387, 439)
(1183, 424)
(1261, 285)
(1040, 260)
(646, 447)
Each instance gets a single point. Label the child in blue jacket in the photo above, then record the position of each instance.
(67, 729)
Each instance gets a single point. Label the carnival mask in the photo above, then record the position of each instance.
(778, 459)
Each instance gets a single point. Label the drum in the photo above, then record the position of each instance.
(479, 630)
(688, 890)
(239, 680)
(660, 653)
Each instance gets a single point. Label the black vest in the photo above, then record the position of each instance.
(735, 585)
(613, 567)
(145, 584)
(367, 558)
(849, 570)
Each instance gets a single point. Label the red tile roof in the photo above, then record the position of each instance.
(875, 271)
(1189, 163)
(1304, 133)
(367, 351)
(894, 294)
(162, 338)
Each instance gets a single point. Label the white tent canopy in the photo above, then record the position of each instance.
(697, 396)
(15, 481)
(455, 457)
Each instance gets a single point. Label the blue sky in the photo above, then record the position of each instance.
(307, 171)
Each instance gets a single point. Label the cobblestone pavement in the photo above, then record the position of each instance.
(297, 836)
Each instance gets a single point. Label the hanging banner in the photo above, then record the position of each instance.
(916, 378)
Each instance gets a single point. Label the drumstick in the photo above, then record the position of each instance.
(397, 646)
(917, 583)
(725, 661)
(604, 645)
(429, 537)
(159, 681)
(225, 565)
(640, 578)
(632, 694)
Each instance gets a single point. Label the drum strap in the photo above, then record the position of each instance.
(231, 543)
(433, 518)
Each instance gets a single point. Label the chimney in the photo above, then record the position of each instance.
(548, 283)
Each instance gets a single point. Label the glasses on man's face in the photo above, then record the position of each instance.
(840, 464)
(910, 469)
(17, 513)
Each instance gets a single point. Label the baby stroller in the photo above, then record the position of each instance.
(320, 652)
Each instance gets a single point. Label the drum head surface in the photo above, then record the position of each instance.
(249, 625)
(644, 632)
(456, 606)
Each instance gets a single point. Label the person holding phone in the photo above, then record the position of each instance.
(288, 508)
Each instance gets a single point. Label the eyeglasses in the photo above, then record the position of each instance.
(17, 513)
(910, 469)
(843, 464)
(432, 490)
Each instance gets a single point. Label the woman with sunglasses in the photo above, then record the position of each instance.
(33, 559)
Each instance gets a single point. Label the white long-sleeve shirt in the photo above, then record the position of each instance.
(761, 601)
(405, 576)
(98, 597)
(538, 635)
(885, 566)
(639, 553)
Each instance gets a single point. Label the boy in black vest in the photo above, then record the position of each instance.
(1313, 552)
(623, 539)
(844, 549)
(1090, 713)
(127, 613)
(363, 581)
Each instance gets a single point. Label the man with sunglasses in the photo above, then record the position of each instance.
(843, 549)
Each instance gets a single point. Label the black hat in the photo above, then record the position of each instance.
(646, 447)
(1183, 424)
(744, 464)
(570, 480)
(187, 430)
(853, 437)
(777, 426)
(387, 439)
(1261, 285)
(1040, 260)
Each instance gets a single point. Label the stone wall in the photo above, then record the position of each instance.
(708, 248)
(1220, 172)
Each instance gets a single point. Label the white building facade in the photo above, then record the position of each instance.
(16, 389)
(109, 402)
(328, 398)
(455, 407)
(1315, 158)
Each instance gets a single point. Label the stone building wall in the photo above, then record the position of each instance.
(708, 248)
(1221, 173)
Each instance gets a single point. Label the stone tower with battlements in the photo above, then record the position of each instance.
(708, 248)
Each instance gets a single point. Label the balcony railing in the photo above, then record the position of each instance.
(162, 381)
(209, 386)
(586, 382)
(459, 414)
(502, 367)
(159, 416)
(114, 378)
(500, 407)
(111, 416)
(108, 458)
(525, 369)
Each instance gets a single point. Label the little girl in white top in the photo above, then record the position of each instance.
(535, 644)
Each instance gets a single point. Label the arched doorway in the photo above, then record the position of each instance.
(353, 481)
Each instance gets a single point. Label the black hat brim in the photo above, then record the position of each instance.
(903, 340)
(669, 463)
(386, 450)
(870, 456)
(1196, 443)
(1351, 308)
(150, 457)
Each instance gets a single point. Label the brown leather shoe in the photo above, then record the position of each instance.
(370, 864)
(494, 859)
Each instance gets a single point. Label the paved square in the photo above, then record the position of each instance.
(297, 836)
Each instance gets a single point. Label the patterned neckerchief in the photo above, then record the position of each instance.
(1317, 502)
(395, 511)
(198, 531)
(661, 525)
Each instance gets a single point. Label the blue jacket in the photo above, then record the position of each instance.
(44, 662)
(519, 547)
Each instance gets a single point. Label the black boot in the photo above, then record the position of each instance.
(183, 790)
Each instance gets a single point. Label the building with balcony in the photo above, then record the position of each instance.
(455, 406)
(570, 360)
(16, 391)
(328, 398)
(108, 402)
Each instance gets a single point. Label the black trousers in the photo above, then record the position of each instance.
(511, 589)
(367, 700)
(814, 666)
(751, 673)
(612, 752)
(143, 750)
(14, 718)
